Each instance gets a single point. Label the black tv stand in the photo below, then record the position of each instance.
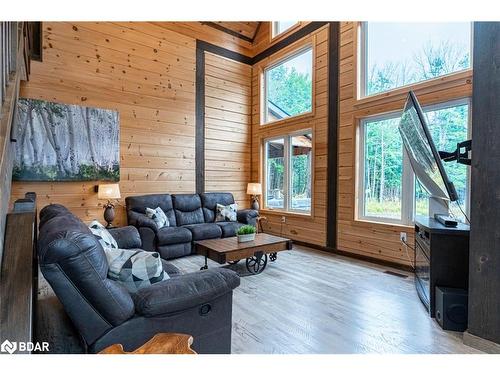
(441, 258)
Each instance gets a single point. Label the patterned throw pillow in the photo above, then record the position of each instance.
(158, 216)
(226, 213)
(105, 238)
(134, 269)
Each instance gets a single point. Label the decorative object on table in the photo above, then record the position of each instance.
(246, 233)
(63, 142)
(158, 216)
(134, 269)
(226, 213)
(161, 343)
(109, 192)
(254, 189)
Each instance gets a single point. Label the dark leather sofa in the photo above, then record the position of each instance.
(191, 217)
(105, 313)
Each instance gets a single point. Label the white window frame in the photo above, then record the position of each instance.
(408, 179)
(287, 177)
(288, 57)
(274, 28)
(363, 63)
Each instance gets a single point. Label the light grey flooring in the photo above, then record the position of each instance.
(310, 302)
(307, 301)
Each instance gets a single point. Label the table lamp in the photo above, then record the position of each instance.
(109, 191)
(254, 189)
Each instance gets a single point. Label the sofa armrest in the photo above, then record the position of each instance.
(184, 291)
(126, 237)
(248, 216)
(139, 220)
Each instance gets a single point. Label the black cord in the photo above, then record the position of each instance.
(412, 262)
(463, 213)
(407, 244)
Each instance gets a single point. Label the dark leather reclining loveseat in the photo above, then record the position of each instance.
(192, 217)
(104, 312)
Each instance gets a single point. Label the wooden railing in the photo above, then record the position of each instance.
(19, 273)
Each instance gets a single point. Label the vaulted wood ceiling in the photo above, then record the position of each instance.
(243, 30)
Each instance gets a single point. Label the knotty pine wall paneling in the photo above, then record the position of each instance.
(227, 126)
(145, 72)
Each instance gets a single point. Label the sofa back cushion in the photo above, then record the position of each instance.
(139, 204)
(209, 203)
(73, 262)
(188, 209)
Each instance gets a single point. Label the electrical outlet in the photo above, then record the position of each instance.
(402, 236)
(283, 219)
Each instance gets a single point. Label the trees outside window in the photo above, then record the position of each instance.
(288, 87)
(399, 54)
(288, 178)
(388, 189)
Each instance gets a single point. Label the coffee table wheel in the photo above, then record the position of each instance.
(233, 261)
(205, 267)
(273, 257)
(256, 264)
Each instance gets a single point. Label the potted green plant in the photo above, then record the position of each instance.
(246, 233)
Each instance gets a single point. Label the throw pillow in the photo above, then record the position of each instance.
(105, 238)
(135, 269)
(158, 216)
(226, 213)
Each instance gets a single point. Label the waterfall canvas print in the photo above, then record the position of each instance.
(62, 142)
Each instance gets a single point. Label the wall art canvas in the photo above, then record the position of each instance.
(62, 142)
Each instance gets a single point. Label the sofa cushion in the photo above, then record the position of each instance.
(226, 213)
(164, 201)
(229, 228)
(169, 268)
(187, 209)
(173, 235)
(204, 231)
(159, 217)
(105, 238)
(209, 203)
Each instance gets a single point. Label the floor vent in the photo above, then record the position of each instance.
(396, 274)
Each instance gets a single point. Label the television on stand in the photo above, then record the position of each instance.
(426, 161)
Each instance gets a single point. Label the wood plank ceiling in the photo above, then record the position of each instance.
(244, 30)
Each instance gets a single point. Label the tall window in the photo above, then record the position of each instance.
(398, 54)
(288, 178)
(388, 190)
(288, 87)
(279, 27)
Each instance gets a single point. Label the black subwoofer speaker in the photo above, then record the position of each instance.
(451, 308)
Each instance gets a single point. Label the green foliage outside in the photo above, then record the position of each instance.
(246, 229)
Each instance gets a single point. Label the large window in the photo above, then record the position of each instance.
(288, 177)
(398, 54)
(388, 190)
(288, 87)
(279, 27)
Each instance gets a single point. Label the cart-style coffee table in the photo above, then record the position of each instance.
(229, 250)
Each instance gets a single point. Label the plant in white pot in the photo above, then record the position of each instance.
(246, 233)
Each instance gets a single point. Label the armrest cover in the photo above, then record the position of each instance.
(184, 291)
(126, 237)
(140, 220)
(247, 216)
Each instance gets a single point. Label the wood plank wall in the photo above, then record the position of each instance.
(305, 228)
(227, 126)
(145, 72)
(375, 240)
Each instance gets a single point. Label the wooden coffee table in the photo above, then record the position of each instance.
(229, 250)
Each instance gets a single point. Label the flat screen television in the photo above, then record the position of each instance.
(422, 152)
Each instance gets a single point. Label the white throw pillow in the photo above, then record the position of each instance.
(158, 216)
(226, 213)
(105, 238)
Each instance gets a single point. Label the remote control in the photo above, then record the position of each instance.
(446, 220)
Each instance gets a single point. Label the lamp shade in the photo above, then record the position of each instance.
(254, 188)
(109, 191)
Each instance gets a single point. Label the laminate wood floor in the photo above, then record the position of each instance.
(310, 301)
(306, 302)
